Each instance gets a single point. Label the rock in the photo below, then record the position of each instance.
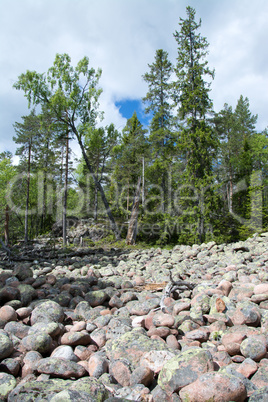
(48, 311)
(232, 342)
(247, 367)
(261, 288)
(9, 293)
(216, 387)
(162, 332)
(29, 363)
(39, 342)
(163, 320)
(7, 384)
(261, 395)
(260, 378)
(98, 337)
(142, 308)
(10, 366)
(184, 369)
(172, 342)
(97, 365)
(200, 335)
(156, 359)
(18, 329)
(225, 286)
(131, 346)
(220, 305)
(27, 294)
(116, 330)
(7, 313)
(142, 375)
(23, 272)
(90, 388)
(246, 313)
(60, 368)
(254, 347)
(24, 312)
(6, 346)
(181, 305)
(96, 298)
(76, 338)
(65, 352)
(43, 389)
(120, 370)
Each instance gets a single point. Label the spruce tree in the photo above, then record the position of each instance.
(197, 140)
(128, 159)
(162, 140)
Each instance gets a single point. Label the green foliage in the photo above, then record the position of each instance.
(128, 160)
(7, 173)
(205, 173)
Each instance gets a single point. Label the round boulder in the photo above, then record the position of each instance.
(49, 311)
(6, 346)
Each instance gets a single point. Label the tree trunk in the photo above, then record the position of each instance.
(7, 226)
(99, 186)
(143, 183)
(64, 212)
(27, 194)
(132, 227)
(96, 204)
(231, 196)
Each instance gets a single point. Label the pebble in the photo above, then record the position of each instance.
(74, 328)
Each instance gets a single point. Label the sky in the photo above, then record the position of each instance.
(121, 37)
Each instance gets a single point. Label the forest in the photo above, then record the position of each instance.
(202, 173)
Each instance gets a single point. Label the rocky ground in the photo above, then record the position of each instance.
(89, 328)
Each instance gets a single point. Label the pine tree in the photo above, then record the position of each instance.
(27, 134)
(197, 140)
(7, 172)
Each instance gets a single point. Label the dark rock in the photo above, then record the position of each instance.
(60, 368)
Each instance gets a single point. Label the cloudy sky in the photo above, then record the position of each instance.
(121, 37)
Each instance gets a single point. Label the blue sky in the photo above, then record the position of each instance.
(128, 106)
(121, 37)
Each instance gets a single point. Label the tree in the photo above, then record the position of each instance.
(7, 172)
(236, 156)
(158, 101)
(99, 143)
(27, 133)
(196, 141)
(227, 157)
(128, 157)
(71, 94)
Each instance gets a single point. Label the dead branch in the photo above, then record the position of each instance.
(173, 286)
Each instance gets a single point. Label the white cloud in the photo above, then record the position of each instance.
(121, 37)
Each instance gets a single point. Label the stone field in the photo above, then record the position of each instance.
(91, 328)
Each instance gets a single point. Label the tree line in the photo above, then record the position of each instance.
(203, 173)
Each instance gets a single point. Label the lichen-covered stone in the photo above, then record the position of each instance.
(216, 387)
(131, 346)
(48, 311)
(7, 384)
(60, 368)
(42, 390)
(184, 369)
(40, 342)
(254, 347)
(6, 346)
